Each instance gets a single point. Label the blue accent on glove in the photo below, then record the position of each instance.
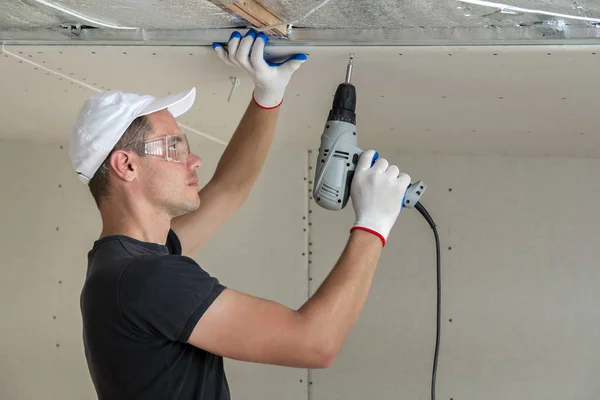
(375, 157)
(300, 56)
(263, 36)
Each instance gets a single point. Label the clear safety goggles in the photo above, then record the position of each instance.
(173, 148)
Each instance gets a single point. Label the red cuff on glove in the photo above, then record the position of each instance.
(379, 235)
(263, 107)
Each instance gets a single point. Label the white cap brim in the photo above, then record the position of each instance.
(177, 104)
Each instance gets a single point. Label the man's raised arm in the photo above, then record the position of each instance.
(246, 152)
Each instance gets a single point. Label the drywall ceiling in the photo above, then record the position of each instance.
(515, 100)
(314, 21)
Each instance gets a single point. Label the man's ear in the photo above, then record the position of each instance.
(124, 165)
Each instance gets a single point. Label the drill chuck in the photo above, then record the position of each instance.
(344, 100)
(344, 104)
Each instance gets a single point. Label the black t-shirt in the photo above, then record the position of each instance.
(139, 304)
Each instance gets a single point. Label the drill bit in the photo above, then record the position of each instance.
(349, 69)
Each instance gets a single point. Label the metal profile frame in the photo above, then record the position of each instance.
(540, 34)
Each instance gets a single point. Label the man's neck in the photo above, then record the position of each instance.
(135, 221)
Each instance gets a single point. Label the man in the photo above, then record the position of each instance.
(156, 325)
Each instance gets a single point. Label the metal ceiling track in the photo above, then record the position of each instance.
(539, 34)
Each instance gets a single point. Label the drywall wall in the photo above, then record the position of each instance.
(519, 266)
(49, 222)
(520, 277)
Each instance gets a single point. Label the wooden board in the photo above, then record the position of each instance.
(255, 13)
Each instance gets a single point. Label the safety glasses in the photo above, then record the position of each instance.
(173, 148)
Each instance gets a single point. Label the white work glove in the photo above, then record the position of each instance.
(270, 78)
(377, 194)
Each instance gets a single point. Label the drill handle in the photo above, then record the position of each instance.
(413, 192)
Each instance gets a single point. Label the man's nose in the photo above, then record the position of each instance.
(194, 161)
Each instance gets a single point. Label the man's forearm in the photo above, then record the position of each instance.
(333, 310)
(247, 150)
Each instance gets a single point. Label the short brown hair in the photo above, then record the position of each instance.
(132, 140)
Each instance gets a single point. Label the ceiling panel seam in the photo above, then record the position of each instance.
(189, 128)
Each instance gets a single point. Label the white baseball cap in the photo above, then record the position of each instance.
(106, 116)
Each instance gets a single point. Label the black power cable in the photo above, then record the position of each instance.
(426, 215)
